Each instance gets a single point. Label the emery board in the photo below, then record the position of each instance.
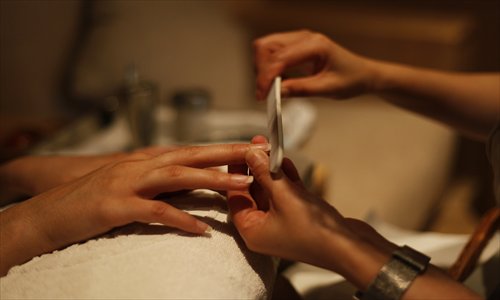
(275, 126)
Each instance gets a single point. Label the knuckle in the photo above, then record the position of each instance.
(174, 171)
(158, 209)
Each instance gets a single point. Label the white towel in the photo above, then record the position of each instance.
(141, 261)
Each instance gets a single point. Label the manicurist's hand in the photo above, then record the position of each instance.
(116, 194)
(326, 68)
(278, 216)
(469, 102)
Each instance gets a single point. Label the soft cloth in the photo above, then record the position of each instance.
(141, 261)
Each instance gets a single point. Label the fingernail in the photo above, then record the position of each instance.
(264, 147)
(238, 178)
(204, 227)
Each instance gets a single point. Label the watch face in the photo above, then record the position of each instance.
(275, 126)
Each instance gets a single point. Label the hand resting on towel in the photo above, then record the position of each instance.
(117, 193)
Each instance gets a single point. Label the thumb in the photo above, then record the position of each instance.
(272, 184)
(258, 163)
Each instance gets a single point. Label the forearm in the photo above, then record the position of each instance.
(12, 185)
(20, 238)
(363, 258)
(468, 102)
(31, 175)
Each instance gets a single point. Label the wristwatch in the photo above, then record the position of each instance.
(396, 275)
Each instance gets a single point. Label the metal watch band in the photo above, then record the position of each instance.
(396, 275)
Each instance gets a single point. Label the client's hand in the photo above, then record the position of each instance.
(32, 175)
(116, 194)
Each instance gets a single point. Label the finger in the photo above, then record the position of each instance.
(258, 194)
(235, 169)
(243, 210)
(265, 50)
(174, 178)
(276, 58)
(157, 150)
(243, 168)
(208, 156)
(272, 185)
(240, 201)
(281, 37)
(321, 84)
(258, 163)
(148, 211)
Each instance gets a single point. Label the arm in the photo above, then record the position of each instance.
(31, 175)
(468, 102)
(277, 216)
(114, 195)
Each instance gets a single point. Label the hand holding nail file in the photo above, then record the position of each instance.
(274, 125)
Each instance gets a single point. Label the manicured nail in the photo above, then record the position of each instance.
(264, 147)
(238, 178)
(204, 227)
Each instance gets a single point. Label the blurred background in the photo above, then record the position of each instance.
(61, 61)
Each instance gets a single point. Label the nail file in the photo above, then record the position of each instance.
(275, 126)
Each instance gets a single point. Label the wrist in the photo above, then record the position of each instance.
(383, 76)
(356, 258)
(20, 236)
(393, 79)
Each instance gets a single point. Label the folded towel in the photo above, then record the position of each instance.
(151, 261)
